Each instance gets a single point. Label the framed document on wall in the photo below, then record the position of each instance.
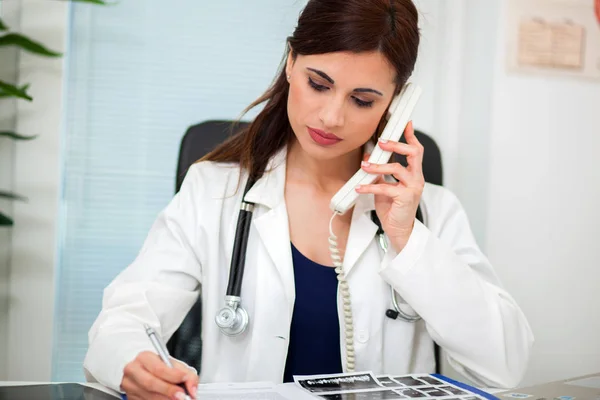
(557, 37)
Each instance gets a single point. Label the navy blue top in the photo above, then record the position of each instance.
(315, 332)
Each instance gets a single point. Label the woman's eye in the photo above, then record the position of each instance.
(322, 88)
(362, 103)
(316, 86)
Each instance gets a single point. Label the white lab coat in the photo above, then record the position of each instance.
(440, 273)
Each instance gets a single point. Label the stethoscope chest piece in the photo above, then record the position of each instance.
(232, 319)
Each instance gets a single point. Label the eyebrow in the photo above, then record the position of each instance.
(328, 79)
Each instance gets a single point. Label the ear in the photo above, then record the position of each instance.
(289, 62)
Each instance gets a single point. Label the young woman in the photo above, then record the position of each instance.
(322, 116)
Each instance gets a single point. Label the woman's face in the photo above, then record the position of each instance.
(336, 100)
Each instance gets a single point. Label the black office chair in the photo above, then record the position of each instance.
(200, 139)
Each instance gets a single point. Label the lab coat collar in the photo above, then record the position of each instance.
(273, 224)
(269, 189)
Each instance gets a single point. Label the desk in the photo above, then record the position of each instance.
(288, 389)
(82, 394)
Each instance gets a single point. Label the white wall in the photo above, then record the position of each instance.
(543, 221)
(472, 144)
(36, 175)
(455, 70)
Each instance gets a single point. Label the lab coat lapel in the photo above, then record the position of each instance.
(272, 223)
(362, 231)
(273, 229)
(362, 227)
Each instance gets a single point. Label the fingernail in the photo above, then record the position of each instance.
(365, 164)
(180, 396)
(381, 140)
(358, 187)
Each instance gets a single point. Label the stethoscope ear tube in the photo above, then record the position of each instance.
(234, 287)
(238, 257)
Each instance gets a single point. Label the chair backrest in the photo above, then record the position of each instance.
(200, 139)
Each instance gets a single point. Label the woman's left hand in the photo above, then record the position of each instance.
(396, 203)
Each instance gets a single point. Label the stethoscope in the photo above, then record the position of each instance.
(233, 319)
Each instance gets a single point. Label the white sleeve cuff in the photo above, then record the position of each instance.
(401, 263)
(106, 360)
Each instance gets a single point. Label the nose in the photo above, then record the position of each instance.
(332, 112)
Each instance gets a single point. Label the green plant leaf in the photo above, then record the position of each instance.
(3, 27)
(5, 220)
(20, 89)
(9, 90)
(11, 196)
(23, 42)
(16, 136)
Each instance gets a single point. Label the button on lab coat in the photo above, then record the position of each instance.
(440, 274)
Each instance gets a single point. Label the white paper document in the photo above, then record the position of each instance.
(350, 386)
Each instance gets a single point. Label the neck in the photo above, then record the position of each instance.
(325, 175)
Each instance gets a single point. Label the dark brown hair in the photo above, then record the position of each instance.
(325, 26)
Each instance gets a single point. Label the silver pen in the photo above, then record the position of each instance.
(163, 354)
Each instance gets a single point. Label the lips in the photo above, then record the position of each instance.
(323, 138)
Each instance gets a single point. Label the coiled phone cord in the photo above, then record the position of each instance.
(338, 262)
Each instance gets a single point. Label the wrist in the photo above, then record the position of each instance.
(400, 238)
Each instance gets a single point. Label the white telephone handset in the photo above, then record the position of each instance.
(398, 116)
